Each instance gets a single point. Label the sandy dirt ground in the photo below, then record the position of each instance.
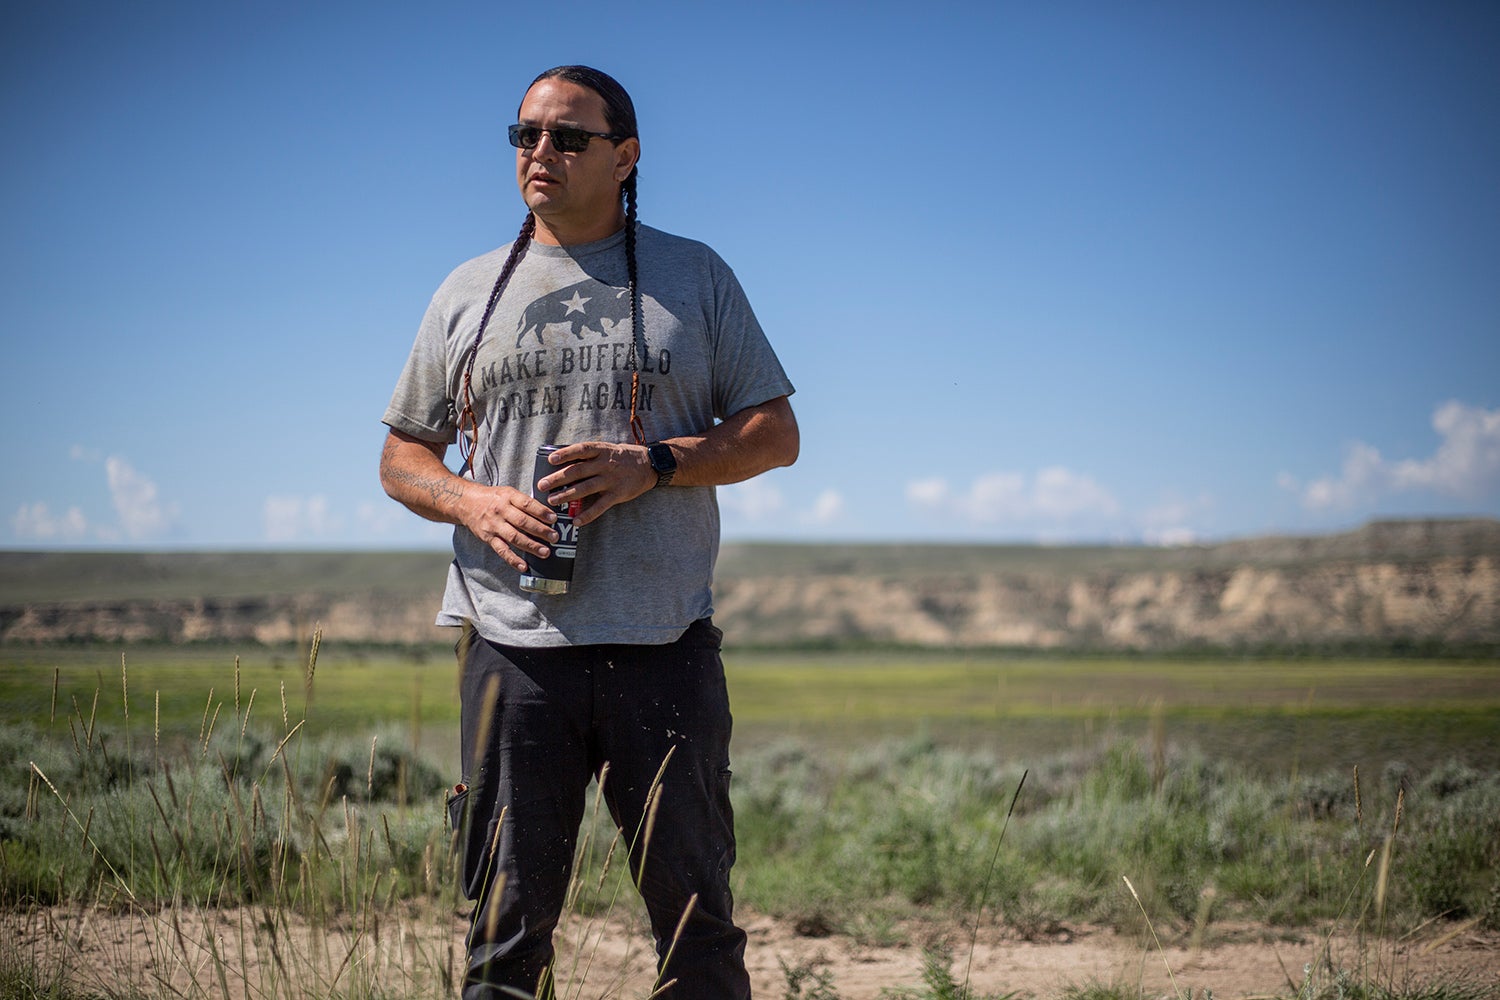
(1245, 962)
(247, 954)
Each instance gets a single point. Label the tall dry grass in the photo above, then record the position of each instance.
(248, 860)
(243, 858)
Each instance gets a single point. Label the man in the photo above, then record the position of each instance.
(639, 354)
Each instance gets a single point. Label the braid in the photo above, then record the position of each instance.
(517, 251)
(637, 338)
(619, 113)
(637, 321)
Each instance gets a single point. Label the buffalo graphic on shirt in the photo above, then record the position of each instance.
(585, 305)
(540, 379)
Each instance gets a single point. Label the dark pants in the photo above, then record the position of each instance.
(538, 724)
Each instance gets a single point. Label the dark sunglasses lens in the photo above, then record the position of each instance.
(570, 140)
(564, 140)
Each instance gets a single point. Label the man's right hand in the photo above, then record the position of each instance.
(504, 518)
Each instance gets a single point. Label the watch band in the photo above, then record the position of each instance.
(663, 462)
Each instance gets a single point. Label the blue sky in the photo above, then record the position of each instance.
(1151, 272)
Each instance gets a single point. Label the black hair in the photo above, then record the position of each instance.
(619, 115)
(619, 110)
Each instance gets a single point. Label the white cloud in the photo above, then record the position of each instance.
(759, 501)
(1363, 476)
(1061, 493)
(1170, 537)
(828, 508)
(1465, 466)
(36, 521)
(997, 496)
(1055, 494)
(141, 510)
(1169, 522)
(1467, 462)
(753, 500)
(926, 492)
(295, 518)
(380, 518)
(389, 520)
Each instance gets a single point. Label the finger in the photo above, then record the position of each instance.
(529, 534)
(581, 465)
(512, 544)
(551, 483)
(592, 509)
(523, 508)
(570, 453)
(505, 552)
(561, 493)
(580, 480)
(520, 522)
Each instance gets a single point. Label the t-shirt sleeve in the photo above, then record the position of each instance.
(746, 369)
(422, 404)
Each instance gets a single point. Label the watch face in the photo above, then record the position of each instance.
(662, 459)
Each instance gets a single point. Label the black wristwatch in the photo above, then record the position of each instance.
(663, 462)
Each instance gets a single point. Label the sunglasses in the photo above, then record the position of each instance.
(564, 140)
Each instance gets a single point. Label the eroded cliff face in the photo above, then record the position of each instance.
(1454, 600)
(268, 621)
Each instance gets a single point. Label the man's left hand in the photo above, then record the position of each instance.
(600, 475)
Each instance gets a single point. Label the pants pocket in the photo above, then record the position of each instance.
(457, 808)
(458, 799)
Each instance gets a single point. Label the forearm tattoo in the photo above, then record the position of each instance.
(437, 489)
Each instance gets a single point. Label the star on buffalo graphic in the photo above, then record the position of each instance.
(601, 311)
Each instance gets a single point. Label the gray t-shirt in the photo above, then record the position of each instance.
(554, 368)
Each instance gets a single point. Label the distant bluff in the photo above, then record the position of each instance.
(1407, 584)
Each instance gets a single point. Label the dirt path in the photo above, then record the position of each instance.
(1250, 962)
(415, 953)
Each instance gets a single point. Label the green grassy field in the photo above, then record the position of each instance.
(38, 685)
(870, 789)
(1285, 714)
